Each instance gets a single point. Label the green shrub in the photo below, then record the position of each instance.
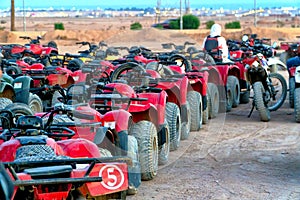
(175, 24)
(209, 24)
(188, 22)
(233, 25)
(59, 26)
(136, 26)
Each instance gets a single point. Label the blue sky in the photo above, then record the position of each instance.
(234, 4)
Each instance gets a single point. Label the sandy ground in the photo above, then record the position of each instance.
(233, 157)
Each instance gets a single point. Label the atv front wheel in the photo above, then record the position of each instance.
(195, 100)
(146, 134)
(174, 121)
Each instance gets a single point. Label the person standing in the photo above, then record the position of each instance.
(215, 44)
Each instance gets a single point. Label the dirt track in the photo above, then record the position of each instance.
(233, 157)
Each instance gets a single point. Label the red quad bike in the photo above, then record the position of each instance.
(43, 77)
(196, 93)
(43, 168)
(146, 123)
(34, 48)
(227, 79)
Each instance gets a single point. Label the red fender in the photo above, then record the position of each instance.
(183, 88)
(36, 49)
(79, 148)
(123, 89)
(8, 150)
(118, 119)
(78, 76)
(158, 100)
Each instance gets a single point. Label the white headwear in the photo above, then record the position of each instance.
(215, 30)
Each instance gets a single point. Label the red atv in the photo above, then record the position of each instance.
(146, 123)
(227, 79)
(33, 49)
(44, 168)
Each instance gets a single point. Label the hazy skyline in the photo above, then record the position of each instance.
(233, 4)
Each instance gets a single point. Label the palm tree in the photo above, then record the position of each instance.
(12, 16)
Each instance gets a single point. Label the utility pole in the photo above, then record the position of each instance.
(180, 12)
(255, 17)
(12, 16)
(24, 19)
(157, 12)
(187, 7)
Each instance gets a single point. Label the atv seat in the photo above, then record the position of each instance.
(49, 171)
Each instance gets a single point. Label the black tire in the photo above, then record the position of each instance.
(146, 134)
(205, 116)
(126, 67)
(209, 60)
(260, 106)
(4, 102)
(291, 91)
(195, 100)
(245, 97)
(35, 103)
(164, 150)
(186, 123)
(13, 70)
(19, 109)
(52, 44)
(174, 121)
(75, 64)
(297, 105)
(184, 62)
(233, 82)
(213, 100)
(229, 98)
(280, 86)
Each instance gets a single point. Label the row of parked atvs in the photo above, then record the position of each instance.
(95, 124)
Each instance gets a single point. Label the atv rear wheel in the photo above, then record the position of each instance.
(4, 102)
(35, 103)
(195, 100)
(164, 150)
(291, 91)
(297, 104)
(213, 100)
(146, 134)
(186, 123)
(233, 82)
(174, 121)
(19, 109)
(75, 64)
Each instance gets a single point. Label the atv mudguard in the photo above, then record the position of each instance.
(116, 119)
(4, 86)
(7, 78)
(79, 148)
(22, 87)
